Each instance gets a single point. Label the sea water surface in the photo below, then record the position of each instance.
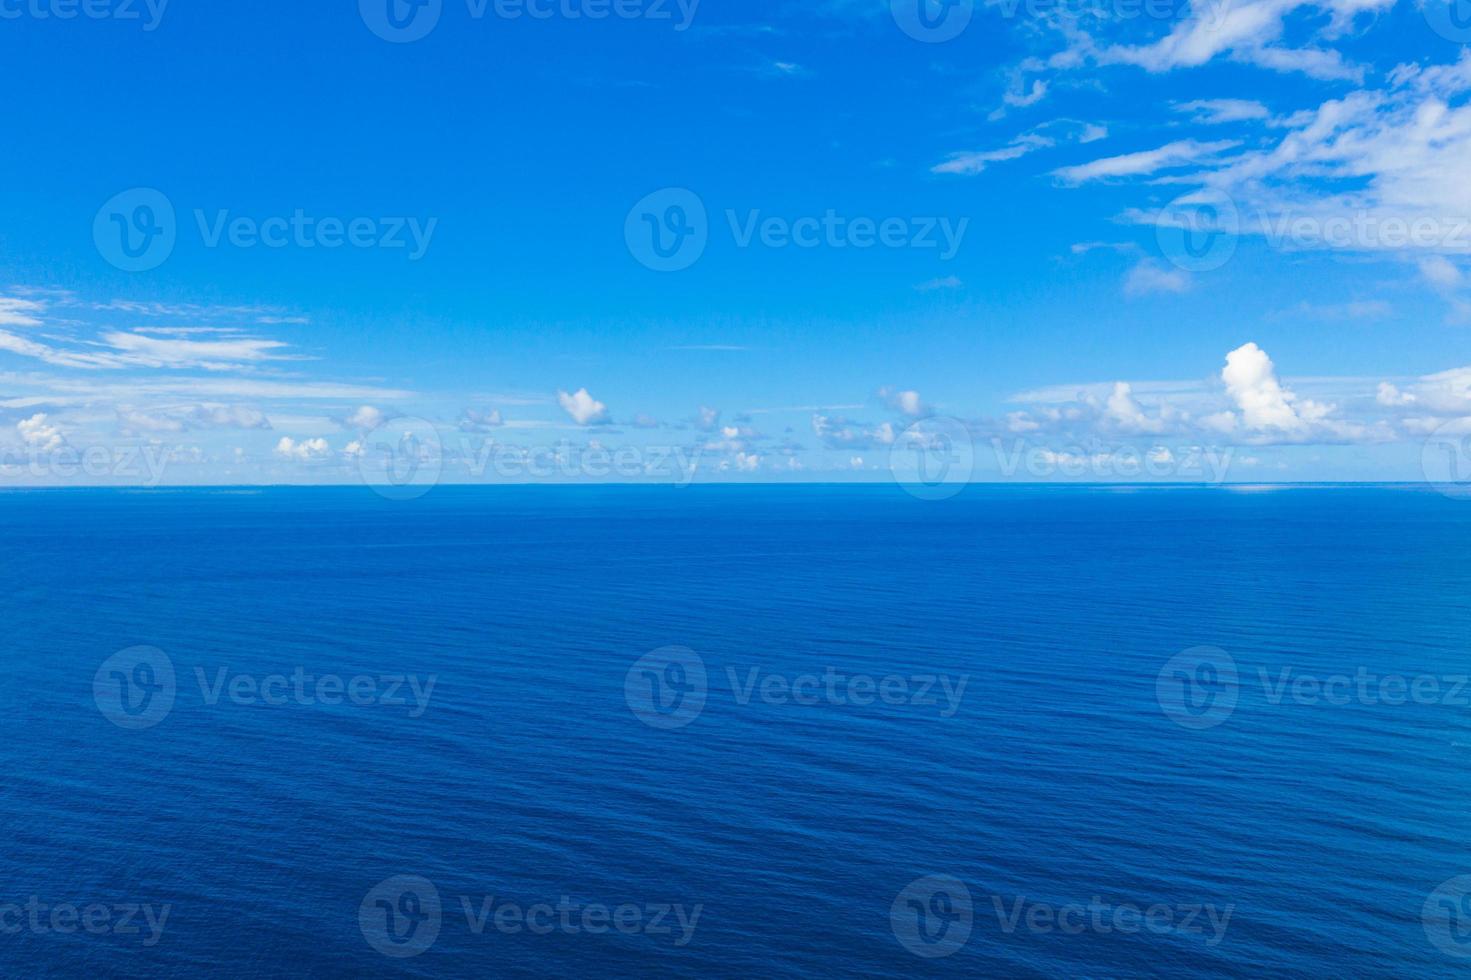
(813, 808)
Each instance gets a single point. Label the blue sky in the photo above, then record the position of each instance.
(989, 235)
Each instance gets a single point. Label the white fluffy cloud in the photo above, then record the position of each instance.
(474, 421)
(708, 419)
(184, 418)
(907, 403)
(1128, 415)
(840, 433)
(39, 434)
(366, 418)
(1251, 381)
(583, 407)
(305, 451)
(1248, 405)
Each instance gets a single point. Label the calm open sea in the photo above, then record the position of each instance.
(736, 731)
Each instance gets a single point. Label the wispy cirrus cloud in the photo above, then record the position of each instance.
(1180, 153)
(971, 163)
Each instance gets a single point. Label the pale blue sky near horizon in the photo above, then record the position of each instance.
(771, 241)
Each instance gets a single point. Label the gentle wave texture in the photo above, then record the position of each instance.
(1063, 779)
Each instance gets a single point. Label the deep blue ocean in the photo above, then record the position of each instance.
(1030, 732)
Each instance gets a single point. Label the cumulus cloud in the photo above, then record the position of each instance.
(473, 421)
(840, 433)
(39, 434)
(365, 419)
(1248, 404)
(707, 419)
(1251, 381)
(583, 408)
(185, 418)
(1127, 415)
(906, 403)
(305, 451)
(1390, 396)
